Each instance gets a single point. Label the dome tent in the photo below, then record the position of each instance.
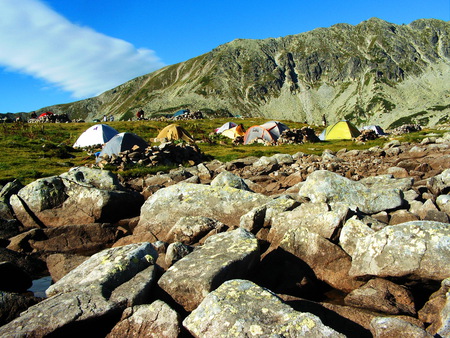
(342, 130)
(234, 132)
(122, 142)
(225, 126)
(269, 131)
(174, 132)
(96, 135)
(377, 129)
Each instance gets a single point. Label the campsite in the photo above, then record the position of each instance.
(97, 235)
(34, 150)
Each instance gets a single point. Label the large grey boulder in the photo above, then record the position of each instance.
(418, 248)
(240, 308)
(317, 217)
(164, 208)
(193, 229)
(328, 261)
(227, 179)
(90, 177)
(224, 256)
(261, 216)
(67, 200)
(326, 186)
(383, 182)
(148, 320)
(351, 232)
(107, 269)
(104, 285)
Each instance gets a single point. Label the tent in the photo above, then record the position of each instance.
(98, 134)
(342, 130)
(269, 131)
(234, 132)
(180, 112)
(377, 129)
(225, 126)
(174, 132)
(122, 142)
(46, 114)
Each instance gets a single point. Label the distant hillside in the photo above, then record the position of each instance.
(372, 73)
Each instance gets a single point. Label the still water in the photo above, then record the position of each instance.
(40, 285)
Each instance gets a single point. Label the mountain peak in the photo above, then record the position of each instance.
(373, 73)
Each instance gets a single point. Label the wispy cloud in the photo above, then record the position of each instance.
(36, 40)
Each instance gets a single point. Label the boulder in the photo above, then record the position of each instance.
(176, 251)
(6, 192)
(384, 296)
(60, 264)
(227, 179)
(326, 186)
(243, 309)
(262, 216)
(9, 228)
(148, 320)
(388, 327)
(317, 217)
(107, 269)
(383, 182)
(402, 216)
(100, 288)
(436, 312)
(54, 201)
(85, 239)
(62, 315)
(328, 261)
(31, 265)
(418, 248)
(12, 304)
(443, 202)
(92, 178)
(223, 256)
(225, 204)
(353, 230)
(439, 184)
(194, 229)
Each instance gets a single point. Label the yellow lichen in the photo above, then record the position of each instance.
(256, 330)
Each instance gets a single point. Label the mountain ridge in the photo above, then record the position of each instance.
(375, 72)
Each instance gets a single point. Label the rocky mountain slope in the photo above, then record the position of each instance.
(372, 73)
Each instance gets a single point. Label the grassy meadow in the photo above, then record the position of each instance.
(34, 150)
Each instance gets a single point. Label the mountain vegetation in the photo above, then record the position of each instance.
(375, 72)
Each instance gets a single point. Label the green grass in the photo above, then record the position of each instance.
(30, 151)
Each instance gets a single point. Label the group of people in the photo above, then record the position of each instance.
(106, 118)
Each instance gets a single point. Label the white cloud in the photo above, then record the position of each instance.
(37, 41)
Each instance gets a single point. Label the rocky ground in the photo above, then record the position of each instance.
(352, 243)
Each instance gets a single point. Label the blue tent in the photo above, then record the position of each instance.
(180, 112)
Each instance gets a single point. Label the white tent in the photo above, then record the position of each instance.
(225, 126)
(98, 134)
(377, 129)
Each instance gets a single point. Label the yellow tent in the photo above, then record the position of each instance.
(234, 132)
(342, 130)
(174, 132)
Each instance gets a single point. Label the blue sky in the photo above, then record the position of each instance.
(60, 51)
